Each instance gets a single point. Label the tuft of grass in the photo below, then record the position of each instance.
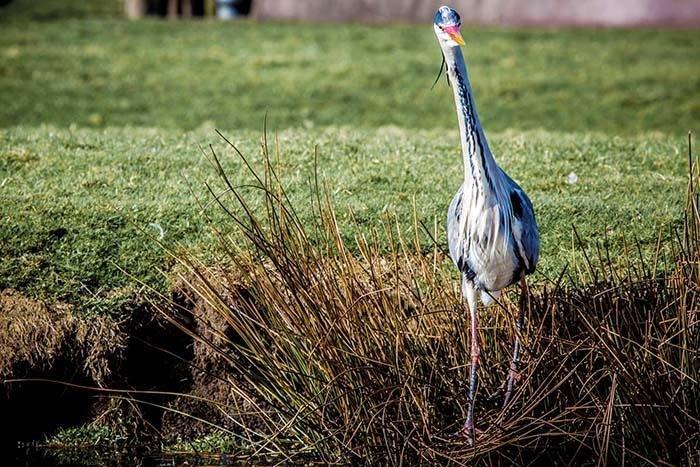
(215, 442)
(360, 354)
(85, 436)
(84, 445)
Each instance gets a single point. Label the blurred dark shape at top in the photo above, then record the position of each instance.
(492, 12)
(679, 13)
(186, 8)
(49, 10)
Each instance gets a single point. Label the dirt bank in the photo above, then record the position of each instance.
(47, 345)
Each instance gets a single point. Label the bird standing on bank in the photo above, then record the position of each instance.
(491, 227)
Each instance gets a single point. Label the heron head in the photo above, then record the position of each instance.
(446, 24)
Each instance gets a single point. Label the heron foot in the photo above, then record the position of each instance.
(469, 433)
(514, 376)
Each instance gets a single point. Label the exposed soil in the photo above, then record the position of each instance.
(207, 392)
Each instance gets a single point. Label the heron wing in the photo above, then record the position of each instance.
(456, 242)
(524, 226)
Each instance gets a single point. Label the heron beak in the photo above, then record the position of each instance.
(454, 33)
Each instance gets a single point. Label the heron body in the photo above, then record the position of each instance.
(492, 243)
(491, 228)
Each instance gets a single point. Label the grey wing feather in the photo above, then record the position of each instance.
(457, 250)
(526, 234)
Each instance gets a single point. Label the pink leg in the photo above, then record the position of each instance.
(468, 430)
(513, 374)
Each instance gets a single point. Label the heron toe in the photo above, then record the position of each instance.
(515, 376)
(469, 434)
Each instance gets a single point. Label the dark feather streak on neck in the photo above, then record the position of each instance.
(465, 105)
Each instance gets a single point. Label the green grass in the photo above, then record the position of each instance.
(91, 435)
(73, 201)
(181, 75)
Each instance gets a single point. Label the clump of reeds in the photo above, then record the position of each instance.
(359, 351)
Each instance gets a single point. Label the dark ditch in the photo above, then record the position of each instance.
(69, 367)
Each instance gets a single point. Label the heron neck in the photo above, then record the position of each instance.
(479, 164)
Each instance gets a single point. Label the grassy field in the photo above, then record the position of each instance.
(102, 118)
(182, 75)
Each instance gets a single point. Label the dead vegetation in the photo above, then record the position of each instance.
(347, 353)
(34, 336)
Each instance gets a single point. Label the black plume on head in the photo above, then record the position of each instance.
(446, 16)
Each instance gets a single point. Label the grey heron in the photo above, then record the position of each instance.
(491, 228)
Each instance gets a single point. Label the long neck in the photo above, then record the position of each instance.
(479, 165)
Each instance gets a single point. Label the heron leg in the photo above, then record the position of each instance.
(513, 374)
(470, 294)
